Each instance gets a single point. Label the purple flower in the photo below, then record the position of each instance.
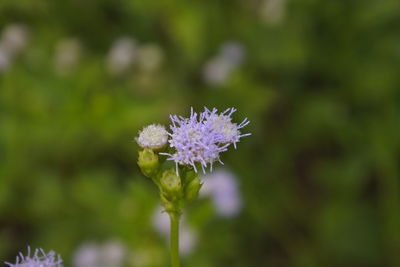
(200, 138)
(223, 124)
(194, 141)
(39, 259)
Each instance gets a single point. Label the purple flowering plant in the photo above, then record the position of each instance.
(38, 259)
(193, 144)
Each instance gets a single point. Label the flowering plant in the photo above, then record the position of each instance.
(193, 143)
(39, 259)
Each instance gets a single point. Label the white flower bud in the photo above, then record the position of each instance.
(153, 136)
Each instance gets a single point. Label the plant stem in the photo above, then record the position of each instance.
(174, 216)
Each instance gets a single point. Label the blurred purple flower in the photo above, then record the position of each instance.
(109, 254)
(233, 52)
(187, 236)
(39, 259)
(218, 69)
(222, 187)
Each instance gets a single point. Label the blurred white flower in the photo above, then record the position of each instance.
(121, 56)
(109, 254)
(114, 254)
(150, 57)
(161, 221)
(67, 55)
(187, 239)
(187, 236)
(14, 38)
(218, 70)
(222, 187)
(273, 11)
(4, 59)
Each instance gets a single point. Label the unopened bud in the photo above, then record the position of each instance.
(148, 162)
(171, 184)
(192, 189)
(153, 137)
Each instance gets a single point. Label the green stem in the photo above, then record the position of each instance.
(174, 216)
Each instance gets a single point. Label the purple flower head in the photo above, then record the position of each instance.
(194, 141)
(39, 259)
(200, 138)
(222, 123)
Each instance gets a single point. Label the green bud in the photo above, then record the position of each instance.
(148, 162)
(192, 189)
(171, 184)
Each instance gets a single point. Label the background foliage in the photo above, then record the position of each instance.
(319, 176)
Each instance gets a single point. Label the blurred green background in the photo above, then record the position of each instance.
(319, 81)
